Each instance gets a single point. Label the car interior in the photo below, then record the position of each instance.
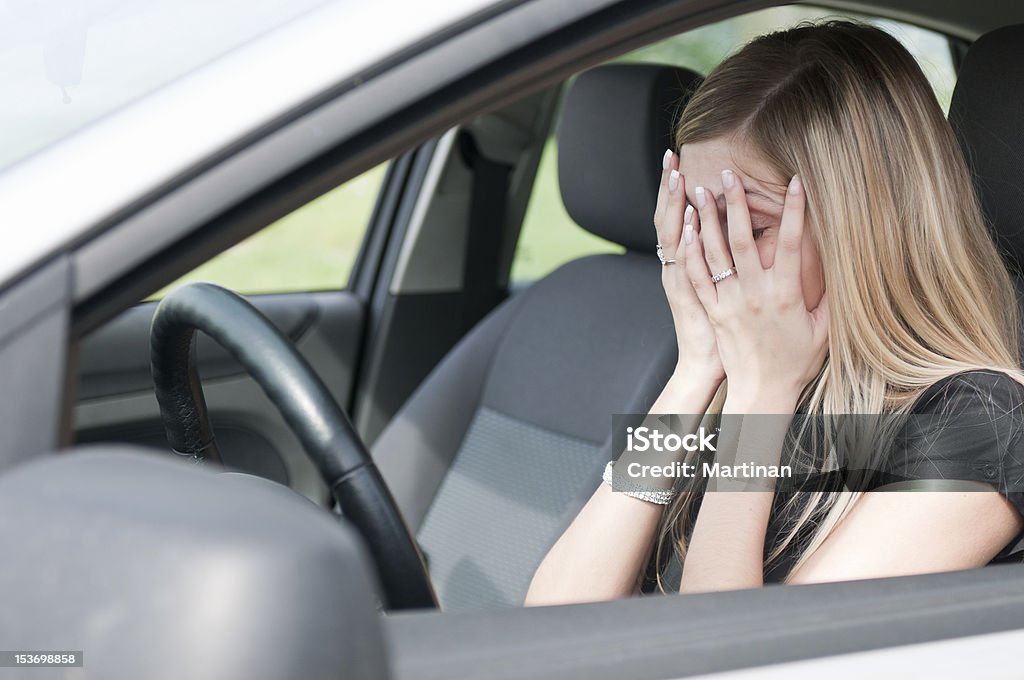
(488, 407)
(494, 453)
(486, 401)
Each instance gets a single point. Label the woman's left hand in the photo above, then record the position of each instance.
(771, 346)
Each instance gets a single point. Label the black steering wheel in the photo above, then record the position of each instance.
(293, 387)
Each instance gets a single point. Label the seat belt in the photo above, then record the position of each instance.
(487, 206)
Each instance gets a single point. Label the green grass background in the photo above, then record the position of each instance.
(315, 247)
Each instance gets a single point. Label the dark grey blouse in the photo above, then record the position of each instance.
(968, 427)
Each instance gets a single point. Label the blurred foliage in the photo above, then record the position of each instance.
(312, 248)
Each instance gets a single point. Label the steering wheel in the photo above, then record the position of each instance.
(326, 434)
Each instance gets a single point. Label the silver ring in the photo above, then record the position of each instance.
(721, 276)
(661, 256)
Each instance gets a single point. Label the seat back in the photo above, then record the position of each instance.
(506, 439)
(986, 112)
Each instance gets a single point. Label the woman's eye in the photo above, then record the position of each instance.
(758, 233)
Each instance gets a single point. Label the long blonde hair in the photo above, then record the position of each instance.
(917, 288)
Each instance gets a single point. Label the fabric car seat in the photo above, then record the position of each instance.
(498, 449)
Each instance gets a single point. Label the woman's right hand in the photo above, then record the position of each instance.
(698, 359)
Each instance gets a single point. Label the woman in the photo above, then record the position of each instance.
(823, 252)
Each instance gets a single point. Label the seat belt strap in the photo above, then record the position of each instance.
(487, 209)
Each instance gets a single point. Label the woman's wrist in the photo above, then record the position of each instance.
(697, 376)
(694, 381)
(744, 399)
(687, 392)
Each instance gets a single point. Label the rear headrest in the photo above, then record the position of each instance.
(616, 124)
(987, 114)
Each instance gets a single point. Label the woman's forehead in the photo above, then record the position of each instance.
(701, 163)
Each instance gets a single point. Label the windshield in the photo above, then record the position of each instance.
(66, 63)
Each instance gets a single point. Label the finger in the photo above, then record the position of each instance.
(695, 262)
(712, 240)
(791, 237)
(741, 235)
(668, 161)
(671, 225)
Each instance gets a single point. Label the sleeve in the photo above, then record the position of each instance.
(967, 427)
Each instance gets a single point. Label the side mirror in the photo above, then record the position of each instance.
(154, 568)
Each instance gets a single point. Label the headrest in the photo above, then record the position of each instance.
(986, 113)
(616, 124)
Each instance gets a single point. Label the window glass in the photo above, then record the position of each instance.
(549, 237)
(312, 248)
(703, 48)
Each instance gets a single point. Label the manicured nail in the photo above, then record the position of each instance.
(699, 195)
(688, 234)
(728, 179)
(673, 180)
(666, 159)
(794, 185)
(688, 215)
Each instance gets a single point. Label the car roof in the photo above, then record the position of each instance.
(78, 180)
(76, 187)
(98, 56)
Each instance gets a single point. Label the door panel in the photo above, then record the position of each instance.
(677, 636)
(113, 361)
(116, 400)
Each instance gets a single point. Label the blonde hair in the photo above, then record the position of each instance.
(917, 288)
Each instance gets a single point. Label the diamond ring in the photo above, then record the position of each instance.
(661, 256)
(721, 276)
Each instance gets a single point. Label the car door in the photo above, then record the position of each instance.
(303, 272)
(641, 637)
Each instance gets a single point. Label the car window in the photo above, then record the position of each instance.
(312, 248)
(549, 237)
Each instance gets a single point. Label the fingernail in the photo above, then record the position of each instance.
(794, 185)
(688, 234)
(673, 180)
(728, 179)
(666, 159)
(699, 195)
(688, 216)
